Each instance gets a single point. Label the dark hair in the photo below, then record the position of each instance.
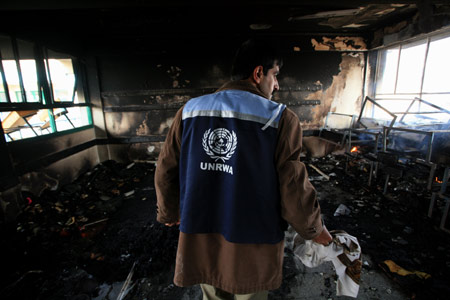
(253, 53)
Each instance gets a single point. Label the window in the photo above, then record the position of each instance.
(63, 79)
(41, 91)
(415, 70)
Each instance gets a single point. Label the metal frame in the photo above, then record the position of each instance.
(347, 133)
(441, 194)
(49, 81)
(338, 114)
(29, 106)
(430, 133)
(427, 160)
(376, 134)
(373, 163)
(342, 131)
(441, 110)
(394, 117)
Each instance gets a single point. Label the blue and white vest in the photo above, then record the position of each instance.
(228, 179)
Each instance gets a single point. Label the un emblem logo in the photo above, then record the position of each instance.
(219, 144)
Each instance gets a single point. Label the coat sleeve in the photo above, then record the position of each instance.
(167, 184)
(299, 204)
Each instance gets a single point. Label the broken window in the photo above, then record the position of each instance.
(415, 70)
(71, 117)
(26, 124)
(41, 91)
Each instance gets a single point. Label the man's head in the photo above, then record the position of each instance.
(259, 62)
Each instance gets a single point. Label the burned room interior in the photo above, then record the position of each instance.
(89, 90)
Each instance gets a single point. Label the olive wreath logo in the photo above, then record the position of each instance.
(220, 143)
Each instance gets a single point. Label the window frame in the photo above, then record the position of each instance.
(405, 96)
(45, 90)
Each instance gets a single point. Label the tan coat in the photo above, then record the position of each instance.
(209, 258)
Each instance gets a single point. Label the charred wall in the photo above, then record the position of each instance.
(141, 93)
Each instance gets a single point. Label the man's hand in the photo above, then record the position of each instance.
(172, 224)
(324, 237)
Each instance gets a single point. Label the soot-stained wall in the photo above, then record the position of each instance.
(335, 79)
(141, 94)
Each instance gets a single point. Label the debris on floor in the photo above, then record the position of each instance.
(71, 242)
(98, 238)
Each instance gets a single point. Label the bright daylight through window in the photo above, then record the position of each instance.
(412, 77)
(41, 91)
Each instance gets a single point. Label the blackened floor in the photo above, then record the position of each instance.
(82, 241)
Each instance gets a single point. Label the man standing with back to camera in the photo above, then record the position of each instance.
(230, 174)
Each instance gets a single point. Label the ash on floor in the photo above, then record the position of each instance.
(82, 241)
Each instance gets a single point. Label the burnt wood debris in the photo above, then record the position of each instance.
(97, 237)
